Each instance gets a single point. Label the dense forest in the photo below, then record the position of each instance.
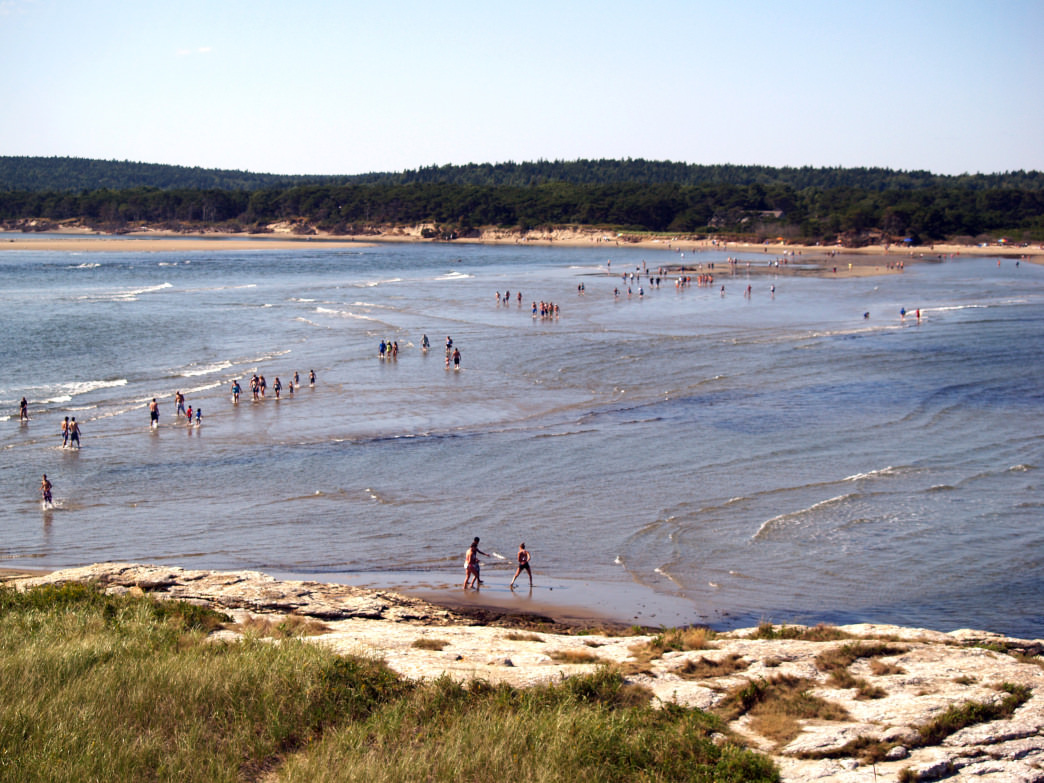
(855, 206)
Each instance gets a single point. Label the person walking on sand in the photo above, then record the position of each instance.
(472, 566)
(74, 433)
(523, 565)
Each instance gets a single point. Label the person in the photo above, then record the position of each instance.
(179, 401)
(45, 489)
(65, 432)
(262, 384)
(424, 343)
(199, 416)
(523, 564)
(311, 377)
(456, 358)
(190, 414)
(380, 350)
(297, 379)
(74, 432)
(472, 566)
(153, 413)
(277, 387)
(290, 387)
(235, 391)
(23, 410)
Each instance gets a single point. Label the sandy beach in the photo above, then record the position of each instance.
(837, 261)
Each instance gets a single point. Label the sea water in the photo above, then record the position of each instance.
(778, 456)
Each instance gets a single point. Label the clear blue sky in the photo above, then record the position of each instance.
(312, 87)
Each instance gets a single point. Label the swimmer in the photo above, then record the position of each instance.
(23, 410)
(45, 490)
(425, 344)
(74, 433)
(153, 413)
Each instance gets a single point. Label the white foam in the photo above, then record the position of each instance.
(207, 369)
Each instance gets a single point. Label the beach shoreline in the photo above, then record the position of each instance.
(819, 259)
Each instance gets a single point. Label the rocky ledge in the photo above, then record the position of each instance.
(880, 690)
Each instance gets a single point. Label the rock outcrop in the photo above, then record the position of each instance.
(882, 685)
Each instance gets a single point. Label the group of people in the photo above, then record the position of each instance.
(473, 567)
(70, 433)
(259, 386)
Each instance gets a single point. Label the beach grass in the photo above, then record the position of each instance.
(101, 687)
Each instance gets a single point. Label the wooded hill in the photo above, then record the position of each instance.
(808, 204)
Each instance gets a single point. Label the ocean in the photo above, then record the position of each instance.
(728, 458)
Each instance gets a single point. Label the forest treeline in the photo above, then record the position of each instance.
(854, 205)
(79, 174)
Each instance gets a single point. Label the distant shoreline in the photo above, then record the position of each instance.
(859, 261)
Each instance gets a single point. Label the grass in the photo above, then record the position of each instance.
(428, 643)
(575, 730)
(970, 713)
(706, 668)
(98, 687)
(518, 636)
(776, 705)
(287, 627)
(822, 632)
(841, 657)
(843, 678)
(574, 656)
(952, 720)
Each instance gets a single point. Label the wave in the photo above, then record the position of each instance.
(345, 314)
(782, 519)
(193, 371)
(375, 283)
(84, 265)
(454, 276)
(64, 392)
(888, 471)
(125, 295)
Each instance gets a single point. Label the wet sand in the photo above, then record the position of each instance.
(561, 598)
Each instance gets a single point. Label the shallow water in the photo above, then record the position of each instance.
(778, 457)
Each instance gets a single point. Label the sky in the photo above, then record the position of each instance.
(347, 87)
